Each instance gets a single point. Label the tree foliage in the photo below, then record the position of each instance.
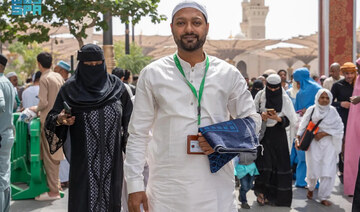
(74, 14)
(26, 57)
(135, 61)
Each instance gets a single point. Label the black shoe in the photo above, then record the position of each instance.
(245, 205)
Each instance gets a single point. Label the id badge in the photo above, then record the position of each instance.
(193, 146)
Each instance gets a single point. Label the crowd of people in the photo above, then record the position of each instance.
(126, 148)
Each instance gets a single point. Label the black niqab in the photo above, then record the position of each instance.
(257, 86)
(91, 86)
(274, 98)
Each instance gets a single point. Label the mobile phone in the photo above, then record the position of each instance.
(270, 110)
(67, 108)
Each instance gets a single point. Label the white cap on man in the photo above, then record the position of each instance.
(190, 4)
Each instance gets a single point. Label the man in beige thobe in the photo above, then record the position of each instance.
(50, 84)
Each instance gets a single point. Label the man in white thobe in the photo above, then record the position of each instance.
(7, 99)
(166, 106)
(334, 76)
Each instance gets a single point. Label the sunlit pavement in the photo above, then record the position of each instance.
(300, 203)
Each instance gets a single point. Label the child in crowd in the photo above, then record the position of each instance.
(245, 170)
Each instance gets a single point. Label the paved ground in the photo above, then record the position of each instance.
(341, 203)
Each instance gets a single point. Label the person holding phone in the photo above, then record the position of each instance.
(277, 112)
(95, 108)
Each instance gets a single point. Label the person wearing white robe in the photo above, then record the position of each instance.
(321, 158)
(165, 105)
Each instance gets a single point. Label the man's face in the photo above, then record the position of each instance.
(349, 77)
(64, 74)
(324, 99)
(14, 81)
(189, 29)
(57, 69)
(335, 72)
(282, 75)
(2, 68)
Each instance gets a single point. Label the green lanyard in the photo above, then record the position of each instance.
(178, 65)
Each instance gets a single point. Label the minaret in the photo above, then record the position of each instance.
(254, 16)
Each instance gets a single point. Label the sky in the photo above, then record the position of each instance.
(286, 18)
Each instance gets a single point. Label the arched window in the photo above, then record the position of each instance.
(241, 66)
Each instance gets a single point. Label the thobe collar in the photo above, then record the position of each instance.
(187, 66)
(45, 72)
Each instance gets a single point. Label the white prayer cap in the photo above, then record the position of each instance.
(11, 74)
(273, 79)
(190, 4)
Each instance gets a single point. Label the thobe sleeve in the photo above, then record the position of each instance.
(43, 95)
(2, 101)
(55, 135)
(139, 133)
(241, 104)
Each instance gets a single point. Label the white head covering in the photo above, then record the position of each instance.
(11, 74)
(294, 89)
(321, 111)
(273, 79)
(190, 4)
(331, 123)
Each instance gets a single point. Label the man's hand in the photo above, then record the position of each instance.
(355, 99)
(65, 119)
(204, 145)
(135, 199)
(33, 108)
(345, 104)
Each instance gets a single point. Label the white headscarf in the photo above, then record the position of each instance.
(293, 90)
(331, 123)
(321, 111)
(286, 110)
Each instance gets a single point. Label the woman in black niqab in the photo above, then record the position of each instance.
(273, 94)
(274, 184)
(91, 85)
(97, 127)
(257, 86)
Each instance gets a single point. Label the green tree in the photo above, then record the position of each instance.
(72, 13)
(27, 63)
(135, 61)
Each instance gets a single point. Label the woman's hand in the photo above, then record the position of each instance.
(320, 135)
(273, 115)
(264, 116)
(65, 119)
(297, 142)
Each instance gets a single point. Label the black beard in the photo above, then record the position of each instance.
(190, 47)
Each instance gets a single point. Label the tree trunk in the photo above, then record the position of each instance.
(80, 41)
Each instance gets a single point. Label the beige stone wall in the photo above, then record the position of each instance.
(256, 65)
